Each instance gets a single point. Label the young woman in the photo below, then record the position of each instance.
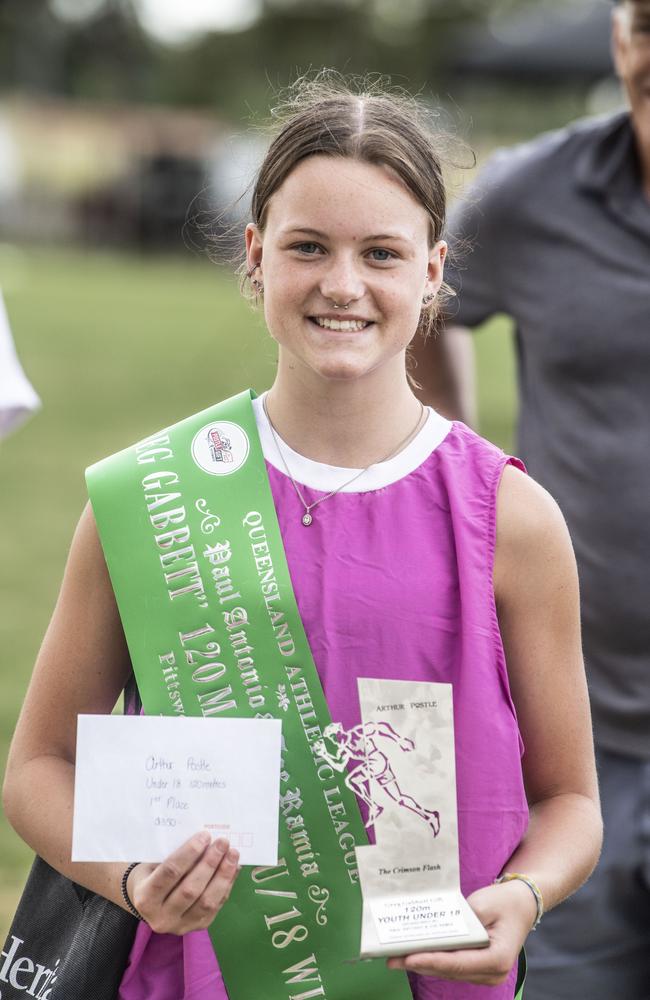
(417, 550)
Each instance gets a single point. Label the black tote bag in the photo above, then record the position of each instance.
(66, 942)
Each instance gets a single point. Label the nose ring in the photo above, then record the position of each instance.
(341, 305)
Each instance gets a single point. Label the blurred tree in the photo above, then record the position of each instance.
(234, 72)
(98, 49)
(108, 56)
(31, 40)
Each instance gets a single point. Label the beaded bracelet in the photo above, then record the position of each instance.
(534, 888)
(125, 894)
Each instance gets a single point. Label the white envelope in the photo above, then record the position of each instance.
(145, 784)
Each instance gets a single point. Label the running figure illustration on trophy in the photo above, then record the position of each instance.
(358, 746)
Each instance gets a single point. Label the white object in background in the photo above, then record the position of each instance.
(17, 397)
(145, 784)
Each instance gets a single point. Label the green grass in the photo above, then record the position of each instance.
(117, 347)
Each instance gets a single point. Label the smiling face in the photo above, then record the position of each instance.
(341, 231)
(631, 47)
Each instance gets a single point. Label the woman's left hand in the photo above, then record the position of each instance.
(507, 911)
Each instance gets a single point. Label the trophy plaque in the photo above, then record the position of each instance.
(400, 762)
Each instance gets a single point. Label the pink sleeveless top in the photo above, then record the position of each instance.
(394, 579)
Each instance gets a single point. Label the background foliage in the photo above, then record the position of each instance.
(107, 55)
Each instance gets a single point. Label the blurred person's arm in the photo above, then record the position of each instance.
(445, 370)
(82, 667)
(444, 362)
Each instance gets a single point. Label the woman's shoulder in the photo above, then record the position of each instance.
(481, 474)
(526, 512)
(532, 539)
(473, 457)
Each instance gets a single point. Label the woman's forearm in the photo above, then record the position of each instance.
(558, 852)
(38, 802)
(561, 847)
(183, 893)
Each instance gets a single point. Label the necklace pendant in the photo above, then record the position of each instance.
(307, 519)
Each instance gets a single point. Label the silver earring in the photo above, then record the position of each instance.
(257, 285)
(428, 299)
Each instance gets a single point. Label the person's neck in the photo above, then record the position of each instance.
(351, 426)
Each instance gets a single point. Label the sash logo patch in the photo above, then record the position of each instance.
(220, 448)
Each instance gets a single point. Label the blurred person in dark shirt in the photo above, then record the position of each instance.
(559, 230)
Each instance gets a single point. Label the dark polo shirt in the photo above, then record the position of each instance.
(560, 231)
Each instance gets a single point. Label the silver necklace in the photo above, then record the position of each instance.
(307, 517)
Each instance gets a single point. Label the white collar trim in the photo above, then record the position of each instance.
(318, 476)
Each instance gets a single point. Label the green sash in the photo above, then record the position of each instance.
(521, 976)
(193, 547)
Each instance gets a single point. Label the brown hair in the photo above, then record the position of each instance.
(358, 119)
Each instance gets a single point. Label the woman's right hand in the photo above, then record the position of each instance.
(185, 891)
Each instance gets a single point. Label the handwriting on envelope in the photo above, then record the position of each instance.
(144, 784)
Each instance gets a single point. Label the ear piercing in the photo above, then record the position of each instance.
(257, 285)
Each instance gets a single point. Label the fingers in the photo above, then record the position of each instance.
(216, 892)
(499, 913)
(189, 888)
(485, 966)
(186, 890)
(165, 877)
